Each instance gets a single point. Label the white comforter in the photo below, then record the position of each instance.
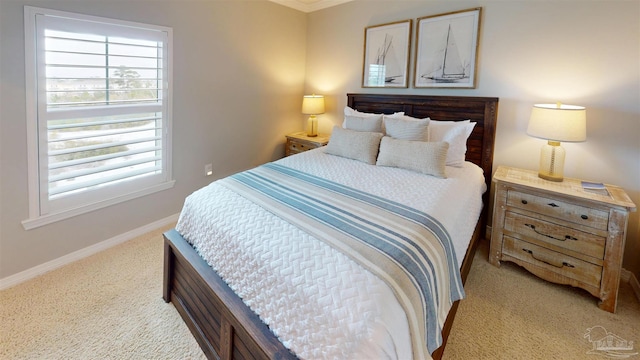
(319, 302)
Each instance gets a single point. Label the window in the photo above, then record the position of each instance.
(98, 112)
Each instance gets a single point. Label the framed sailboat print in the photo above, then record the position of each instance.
(447, 50)
(386, 55)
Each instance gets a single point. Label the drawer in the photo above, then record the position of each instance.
(553, 261)
(545, 232)
(296, 147)
(577, 214)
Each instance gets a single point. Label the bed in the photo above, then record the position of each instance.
(225, 327)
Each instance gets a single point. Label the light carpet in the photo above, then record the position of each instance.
(109, 306)
(106, 306)
(511, 314)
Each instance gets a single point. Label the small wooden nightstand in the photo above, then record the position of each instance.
(299, 142)
(560, 231)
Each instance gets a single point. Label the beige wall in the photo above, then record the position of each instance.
(240, 68)
(578, 52)
(238, 81)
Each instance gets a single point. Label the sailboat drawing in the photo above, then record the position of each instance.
(449, 65)
(387, 61)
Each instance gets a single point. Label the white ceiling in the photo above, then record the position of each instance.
(309, 5)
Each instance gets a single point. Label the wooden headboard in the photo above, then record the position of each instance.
(481, 110)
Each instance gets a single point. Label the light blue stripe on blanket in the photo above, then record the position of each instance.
(408, 212)
(379, 230)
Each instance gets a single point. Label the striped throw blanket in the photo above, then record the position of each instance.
(406, 248)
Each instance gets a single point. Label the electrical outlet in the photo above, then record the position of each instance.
(208, 170)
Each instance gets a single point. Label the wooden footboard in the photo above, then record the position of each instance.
(223, 325)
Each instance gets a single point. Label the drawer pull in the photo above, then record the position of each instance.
(525, 202)
(553, 205)
(566, 237)
(584, 217)
(546, 260)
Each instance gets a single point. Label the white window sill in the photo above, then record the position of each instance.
(42, 220)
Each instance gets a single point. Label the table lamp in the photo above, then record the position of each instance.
(312, 105)
(556, 123)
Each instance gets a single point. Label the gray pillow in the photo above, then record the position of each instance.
(406, 127)
(358, 145)
(363, 123)
(424, 157)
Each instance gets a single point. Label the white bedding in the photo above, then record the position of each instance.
(319, 302)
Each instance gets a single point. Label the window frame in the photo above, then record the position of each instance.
(40, 211)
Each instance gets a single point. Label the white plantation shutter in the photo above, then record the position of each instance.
(102, 110)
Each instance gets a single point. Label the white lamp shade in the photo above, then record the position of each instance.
(558, 122)
(313, 104)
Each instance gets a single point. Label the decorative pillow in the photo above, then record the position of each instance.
(424, 157)
(363, 123)
(406, 127)
(358, 145)
(456, 134)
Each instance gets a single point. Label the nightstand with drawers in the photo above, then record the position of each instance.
(560, 231)
(299, 142)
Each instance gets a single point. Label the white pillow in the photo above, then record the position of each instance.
(350, 111)
(424, 157)
(406, 127)
(358, 145)
(456, 134)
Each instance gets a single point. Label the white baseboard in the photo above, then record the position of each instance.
(41, 269)
(629, 277)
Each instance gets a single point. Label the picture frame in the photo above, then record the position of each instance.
(386, 55)
(446, 54)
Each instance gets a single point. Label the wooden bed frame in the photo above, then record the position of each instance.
(224, 326)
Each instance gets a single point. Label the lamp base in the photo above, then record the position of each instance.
(550, 178)
(312, 126)
(552, 161)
